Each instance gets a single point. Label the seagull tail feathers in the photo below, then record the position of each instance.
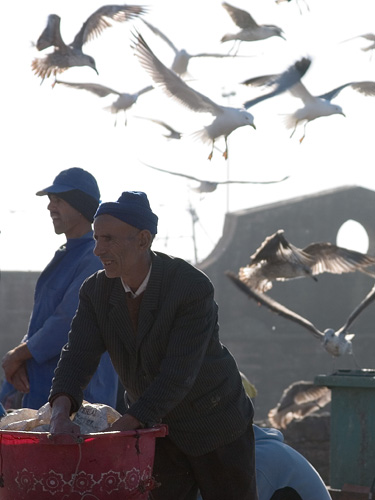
(202, 135)
(289, 121)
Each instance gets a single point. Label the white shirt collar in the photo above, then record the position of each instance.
(141, 288)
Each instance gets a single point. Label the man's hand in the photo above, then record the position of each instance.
(14, 359)
(20, 380)
(60, 418)
(125, 423)
(63, 425)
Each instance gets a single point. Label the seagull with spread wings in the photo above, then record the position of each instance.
(314, 106)
(336, 343)
(65, 56)
(227, 119)
(298, 400)
(250, 31)
(210, 186)
(124, 101)
(182, 57)
(279, 260)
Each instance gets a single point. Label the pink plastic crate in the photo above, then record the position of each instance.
(115, 466)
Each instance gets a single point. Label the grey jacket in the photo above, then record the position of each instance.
(175, 369)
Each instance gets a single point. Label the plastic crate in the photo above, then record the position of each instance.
(113, 465)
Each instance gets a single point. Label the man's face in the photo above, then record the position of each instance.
(117, 246)
(65, 218)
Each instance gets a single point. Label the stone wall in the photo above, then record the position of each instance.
(16, 301)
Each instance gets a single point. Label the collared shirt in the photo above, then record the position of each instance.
(141, 288)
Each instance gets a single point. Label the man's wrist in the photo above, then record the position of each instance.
(22, 353)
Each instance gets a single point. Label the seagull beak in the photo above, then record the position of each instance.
(343, 114)
(253, 125)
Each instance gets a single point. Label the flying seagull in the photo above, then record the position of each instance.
(210, 186)
(173, 133)
(227, 119)
(314, 106)
(182, 57)
(298, 400)
(334, 342)
(122, 103)
(278, 260)
(250, 31)
(367, 36)
(66, 56)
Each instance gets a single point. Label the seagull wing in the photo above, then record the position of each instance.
(337, 260)
(260, 81)
(100, 20)
(366, 88)
(300, 91)
(367, 36)
(276, 259)
(145, 89)
(284, 81)
(171, 83)
(253, 182)
(95, 88)
(277, 248)
(370, 297)
(157, 32)
(275, 306)
(270, 246)
(301, 392)
(240, 17)
(319, 394)
(173, 173)
(160, 122)
(203, 182)
(51, 35)
(297, 401)
(212, 54)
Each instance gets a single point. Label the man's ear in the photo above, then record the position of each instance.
(144, 238)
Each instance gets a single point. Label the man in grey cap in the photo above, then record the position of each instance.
(29, 368)
(157, 317)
